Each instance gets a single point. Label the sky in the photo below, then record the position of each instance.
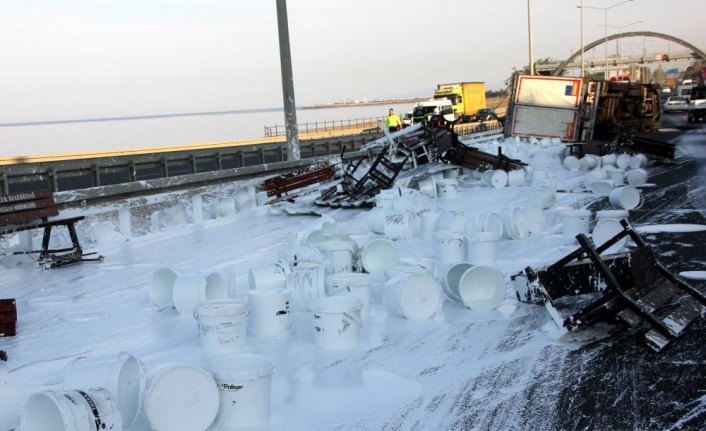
(93, 58)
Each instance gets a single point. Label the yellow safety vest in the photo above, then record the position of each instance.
(393, 120)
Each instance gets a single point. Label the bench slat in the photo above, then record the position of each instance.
(24, 216)
(26, 196)
(19, 207)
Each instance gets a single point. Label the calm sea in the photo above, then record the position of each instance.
(88, 135)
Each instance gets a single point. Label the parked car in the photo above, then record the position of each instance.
(485, 114)
(675, 103)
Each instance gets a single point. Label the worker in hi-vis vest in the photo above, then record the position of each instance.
(392, 121)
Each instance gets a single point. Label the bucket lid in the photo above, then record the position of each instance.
(221, 307)
(337, 304)
(240, 366)
(379, 255)
(181, 397)
(612, 214)
(419, 296)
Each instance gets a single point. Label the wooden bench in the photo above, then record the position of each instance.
(32, 210)
(283, 184)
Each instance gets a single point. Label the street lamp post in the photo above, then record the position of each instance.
(605, 23)
(620, 30)
(529, 30)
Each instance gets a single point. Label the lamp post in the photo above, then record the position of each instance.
(605, 23)
(620, 30)
(529, 30)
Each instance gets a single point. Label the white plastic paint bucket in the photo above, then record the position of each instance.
(515, 223)
(386, 198)
(180, 397)
(452, 277)
(269, 314)
(543, 195)
(197, 208)
(574, 222)
(636, 177)
(192, 289)
(337, 322)
(594, 175)
(124, 222)
(376, 219)
(516, 178)
(354, 284)
(261, 198)
(403, 271)
(245, 384)
(225, 207)
(428, 187)
(588, 162)
(10, 406)
(379, 255)
(162, 287)
(485, 177)
(243, 200)
(122, 375)
(571, 163)
(306, 281)
(222, 326)
(626, 197)
(605, 230)
(104, 233)
(618, 177)
(398, 226)
(637, 161)
(602, 187)
(612, 215)
(268, 276)
(447, 188)
(415, 297)
(452, 221)
(451, 173)
(497, 179)
(482, 288)
(76, 410)
(623, 161)
(483, 248)
(609, 159)
(429, 221)
(339, 255)
(451, 246)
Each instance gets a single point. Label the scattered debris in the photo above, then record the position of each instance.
(630, 287)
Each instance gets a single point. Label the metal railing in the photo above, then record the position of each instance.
(326, 126)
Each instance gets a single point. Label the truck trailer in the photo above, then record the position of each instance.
(466, 97)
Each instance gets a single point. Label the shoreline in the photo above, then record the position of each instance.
(370, 103)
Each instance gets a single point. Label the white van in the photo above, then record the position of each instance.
(426, 109)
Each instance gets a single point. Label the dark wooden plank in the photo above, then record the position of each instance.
(18, 218)
(7, 329)
(19, 207)
(26, 196)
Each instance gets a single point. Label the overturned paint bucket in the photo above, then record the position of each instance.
(180, 397)
(626, 197)
(452, 279)
(415, 296)
(451, 246)
(306, 281)
(269, 314)
(516, 178)
(222, 326)
(429, 220)
(122, 375)
(602, 187)
(337, 322)
(162, 287)
(351, 283)
(193, 289)
(571, 163)
(268, 276)
(75, 410)
(636, 177)
(482, 288)
(244, 384)
(376, 218)
(379, 255)
(574, 222)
